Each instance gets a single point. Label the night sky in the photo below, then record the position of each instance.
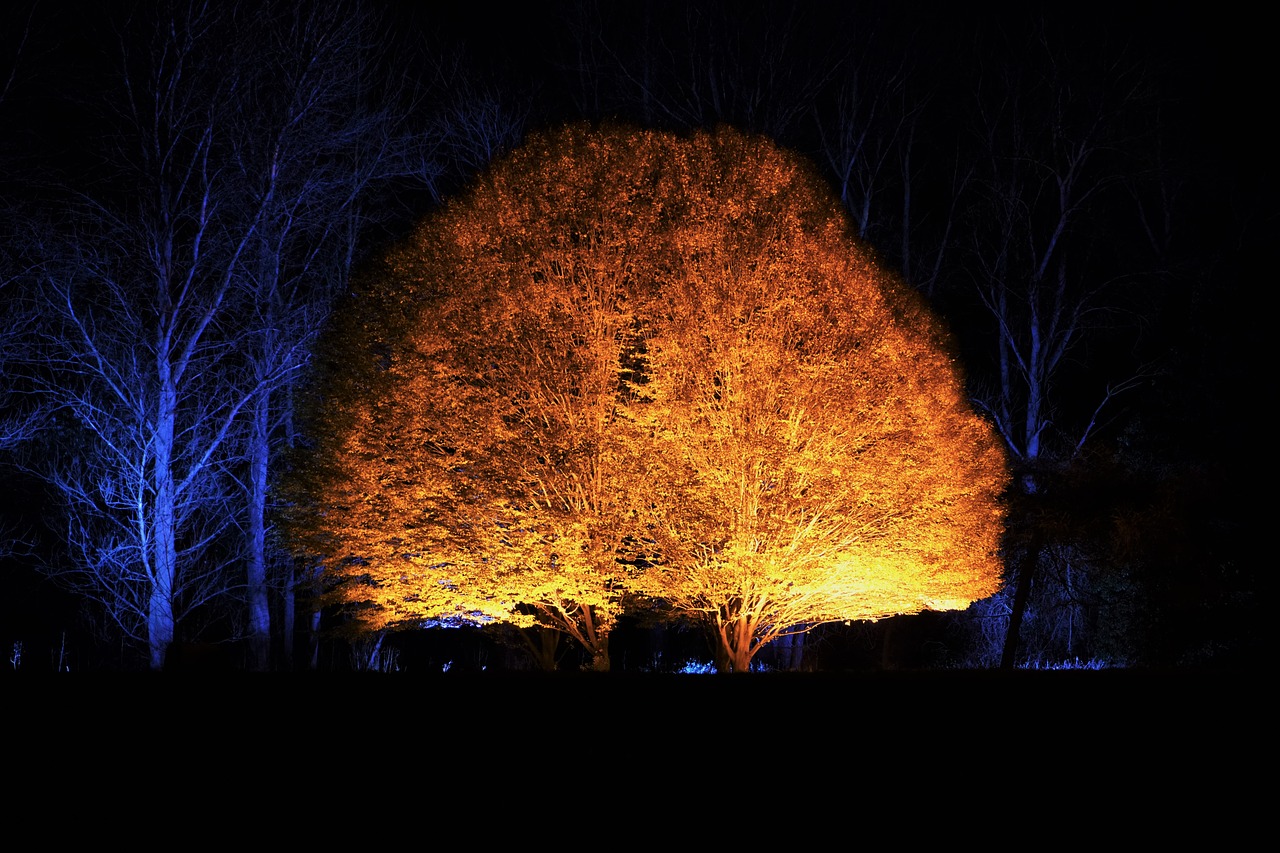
(1184, 446)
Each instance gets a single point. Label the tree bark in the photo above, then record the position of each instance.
(1021, 593)
(160, 612)
(542, 644)
(256, 564)
(790, 651)
(735, 646)
(288, 617)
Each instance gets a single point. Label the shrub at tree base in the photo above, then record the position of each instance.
(630, 369)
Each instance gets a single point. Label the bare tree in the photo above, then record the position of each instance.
(861, 136)
(142, 354)
(19, 26)
(1053, 155)
(758, 68)
(145, 404)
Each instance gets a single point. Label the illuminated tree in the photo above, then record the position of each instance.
(630, 363)
(139, 287)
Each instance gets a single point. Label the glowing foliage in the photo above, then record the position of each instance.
(629, 367)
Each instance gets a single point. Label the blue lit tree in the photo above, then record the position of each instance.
(146, 351)
(182, 295)
(141, 345)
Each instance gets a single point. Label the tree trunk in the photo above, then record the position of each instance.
(288, 605)
(886, 645)
(256, 564)
(1022, 591)
(600, 659)
(597, 636)
(542, 644)
(735, 650)
(259, 603)
(160, 620)
(313, 634)
(288, 618)
(789, 649)
(160, 614)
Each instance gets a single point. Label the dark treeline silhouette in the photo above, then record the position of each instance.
(187, 189)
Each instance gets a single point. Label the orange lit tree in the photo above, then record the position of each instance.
(629, 367)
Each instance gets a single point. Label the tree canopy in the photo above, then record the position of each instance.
(629, 368)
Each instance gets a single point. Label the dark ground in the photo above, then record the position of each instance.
(1143, 708)
(1025, 758)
